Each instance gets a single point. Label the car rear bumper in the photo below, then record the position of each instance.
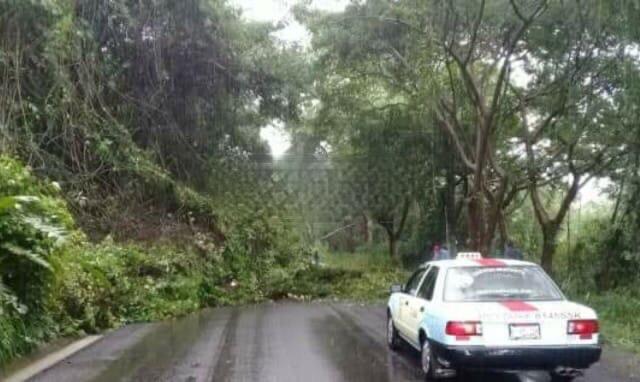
(517, 358)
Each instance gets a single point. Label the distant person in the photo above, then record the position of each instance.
(436, 252)
(441, 253)
(512, 252)
(444, 253)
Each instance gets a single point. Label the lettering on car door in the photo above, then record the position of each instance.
(404, 313)
(420, 304)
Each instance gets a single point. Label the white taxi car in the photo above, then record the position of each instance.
(482, 313)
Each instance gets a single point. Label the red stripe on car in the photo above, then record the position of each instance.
(490, 262)
(518, 306)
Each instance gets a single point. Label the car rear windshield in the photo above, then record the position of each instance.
(528, 283)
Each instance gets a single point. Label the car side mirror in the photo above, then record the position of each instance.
(396, 288)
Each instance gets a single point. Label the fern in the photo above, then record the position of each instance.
(22, 219)
(15, 206)
(26, 253)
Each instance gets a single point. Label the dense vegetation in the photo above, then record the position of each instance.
(476, 123)
(134, 184)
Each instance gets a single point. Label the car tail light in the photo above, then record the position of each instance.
(464, 329)
(584, 328)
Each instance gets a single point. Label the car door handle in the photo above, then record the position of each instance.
(421, 309)
(406, 302)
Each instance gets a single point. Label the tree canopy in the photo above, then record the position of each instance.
(517, 98)
(439, 121)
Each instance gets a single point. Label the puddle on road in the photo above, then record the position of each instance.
(334, 342)
(226, 362)
(158, 351)
(359, 357)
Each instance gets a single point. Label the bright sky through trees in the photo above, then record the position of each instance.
(278, 11)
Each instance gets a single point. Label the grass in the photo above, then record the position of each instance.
(377, 271)
(364, 275)
(619, 314)
(369, 259)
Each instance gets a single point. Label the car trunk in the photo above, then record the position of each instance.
(521, 323)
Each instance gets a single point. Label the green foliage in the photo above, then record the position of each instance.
(150, 111)
(92, 287)
(54, 282)
(596, 266)
(133, 102)
(618, 312)
(373, 257)
(364, 275)
(336, 282)
(134, 107)
(33, 224)
(312, 282)
(31, 228)
(371, 273)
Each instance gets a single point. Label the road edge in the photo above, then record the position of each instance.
(52, 359)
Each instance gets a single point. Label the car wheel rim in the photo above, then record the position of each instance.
(390, 331)
(426, 357)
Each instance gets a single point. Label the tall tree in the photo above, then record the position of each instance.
(573, 116)
(474, 65)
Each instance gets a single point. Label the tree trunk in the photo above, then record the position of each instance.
(549, 236)
(368, 229)
(450, 209)
(388, 222)
(504, 235)
(474, 223)
(393, 246)
(550, 225)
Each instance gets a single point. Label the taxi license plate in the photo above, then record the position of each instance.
(524, 331)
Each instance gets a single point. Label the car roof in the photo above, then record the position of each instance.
(483, 262)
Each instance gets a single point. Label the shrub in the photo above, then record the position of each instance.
(618, 312)
(33, 220)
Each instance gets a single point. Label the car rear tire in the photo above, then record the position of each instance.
(427, 361)
(393, 339)
(560, 378)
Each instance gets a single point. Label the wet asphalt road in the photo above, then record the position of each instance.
(284, 341)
